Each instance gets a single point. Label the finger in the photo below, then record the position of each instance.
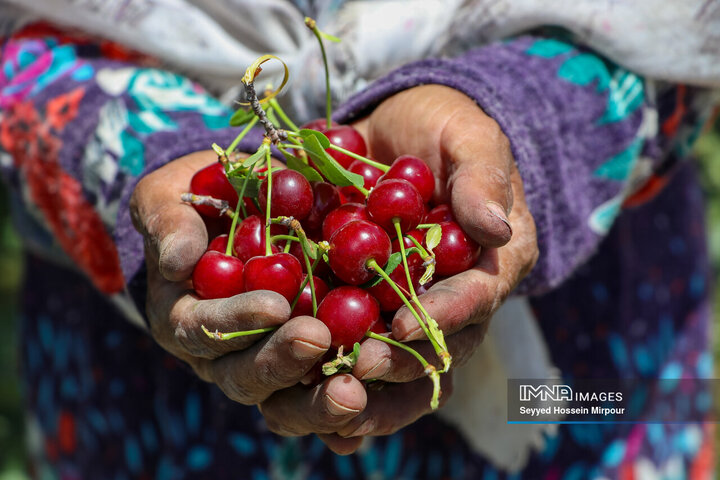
(322, 409)
(395, 406)
(176, 317)
(341, 445)
(276, 363)
(478, 159)
(248, 311)
(174, 232)
(471, 297)
(380, 361)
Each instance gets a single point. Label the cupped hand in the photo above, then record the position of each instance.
(247, 369)
(476, 174)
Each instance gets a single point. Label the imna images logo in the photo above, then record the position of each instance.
(545, 393)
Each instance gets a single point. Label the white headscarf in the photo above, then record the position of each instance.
(215, 40)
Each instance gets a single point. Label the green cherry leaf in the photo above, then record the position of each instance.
(328, 166)
(252, 189)
(295, 163)
(433, 237)
(306, 133)
(254, 158)
(331, 38)
(241, 117)
(393, 262)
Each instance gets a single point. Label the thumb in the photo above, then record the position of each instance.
(478, 160)
(174, 233)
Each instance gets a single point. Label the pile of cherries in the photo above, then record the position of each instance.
(360, 233)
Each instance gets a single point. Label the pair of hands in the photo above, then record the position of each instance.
(476, 174)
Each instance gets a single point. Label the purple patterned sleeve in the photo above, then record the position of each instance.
(82, 122)
(573, 121)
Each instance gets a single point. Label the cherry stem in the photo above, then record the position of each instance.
(374, 265)
(430, 370)
(243, 333)
(240, 136)
(309, 277)
(312, 25)
(271, 132)
(294, 225)
(424, 226)
(283, 116)
(268, 244)
(354, 155)
(288, 244)
(222, 205)
(305, 282)
(289, 238)
(398, 230)
(419, 246)
(439, 338)
(241, 195)
(231, 235)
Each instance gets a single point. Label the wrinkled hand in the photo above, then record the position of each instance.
(247, 369)
(471, 158)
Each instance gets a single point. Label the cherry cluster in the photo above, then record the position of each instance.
(361, 234)
(342, 237)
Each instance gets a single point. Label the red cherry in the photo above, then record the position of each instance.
(352, 246)
(456, 251)
(217, 275)
(395, 198)
(369, 173)
(342, 215)
(212, 181)
(441, 213)
(379, 327)
(388, 299)
(326, 198)
(415, 171)
(219, 243)
(348, 313)
(304, 303)
(292, 195)
(279, 273)
(348, 138)
(250, 239)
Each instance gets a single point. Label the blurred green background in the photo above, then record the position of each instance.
(12, 457)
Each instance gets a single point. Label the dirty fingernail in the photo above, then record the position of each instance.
(303, 350)
(377, 370)
(339, 410)
(496, 210)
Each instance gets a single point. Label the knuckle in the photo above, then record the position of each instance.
(272, 375)
(236, 390)
(497, 178)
